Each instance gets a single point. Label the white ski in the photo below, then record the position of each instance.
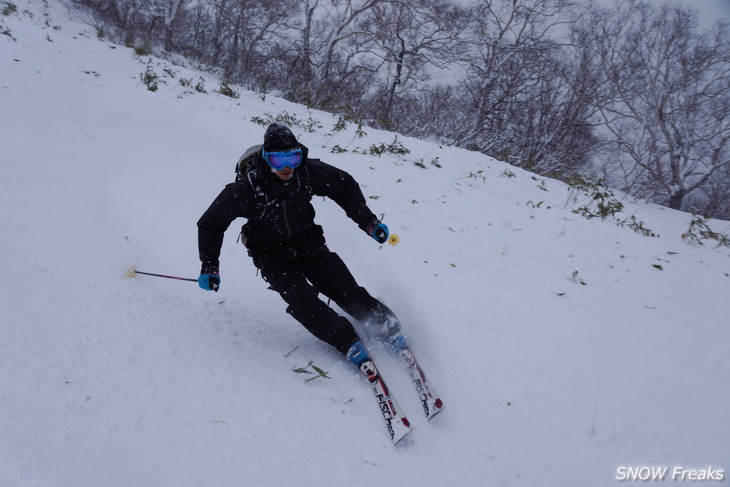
(395, 421)
(430, 400)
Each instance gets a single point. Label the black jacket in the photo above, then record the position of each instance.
(280, 215)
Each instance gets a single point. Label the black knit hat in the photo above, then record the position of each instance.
(278, 137)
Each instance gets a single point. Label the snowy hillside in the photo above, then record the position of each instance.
(565, 349)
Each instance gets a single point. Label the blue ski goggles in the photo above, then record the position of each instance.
(279, 160)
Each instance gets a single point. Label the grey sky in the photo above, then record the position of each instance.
(710, 10)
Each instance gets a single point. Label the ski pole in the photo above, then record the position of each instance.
(134, 271)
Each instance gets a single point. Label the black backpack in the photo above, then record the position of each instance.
(244, 162)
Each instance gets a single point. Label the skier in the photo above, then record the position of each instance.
(289, 249)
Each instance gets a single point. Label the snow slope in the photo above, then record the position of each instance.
(107, 380)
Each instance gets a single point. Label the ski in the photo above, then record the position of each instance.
(430, 400)
(395, 421)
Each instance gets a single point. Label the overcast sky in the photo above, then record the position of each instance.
(710, 10)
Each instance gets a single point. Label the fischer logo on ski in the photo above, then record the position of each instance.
(397, 424)
(423, 396)
(432, 404)
(385, 408)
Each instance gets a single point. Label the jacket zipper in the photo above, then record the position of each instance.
(286, 220)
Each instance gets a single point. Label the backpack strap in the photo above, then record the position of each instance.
(260, 197)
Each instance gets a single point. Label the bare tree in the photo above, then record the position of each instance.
(257, 30)
(549, 129)
(341, 18)
(310, 6)
(527, 98)
(500, 36)
(220, 29)
(169, 13)
(124, 12)
(126, 15)
(409, 36)
(664, 98)
(504, 39)
(713, 198)
(327, 61)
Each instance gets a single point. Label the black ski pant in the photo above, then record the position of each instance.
(299, 284)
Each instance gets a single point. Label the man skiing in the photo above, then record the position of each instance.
(289, 249)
